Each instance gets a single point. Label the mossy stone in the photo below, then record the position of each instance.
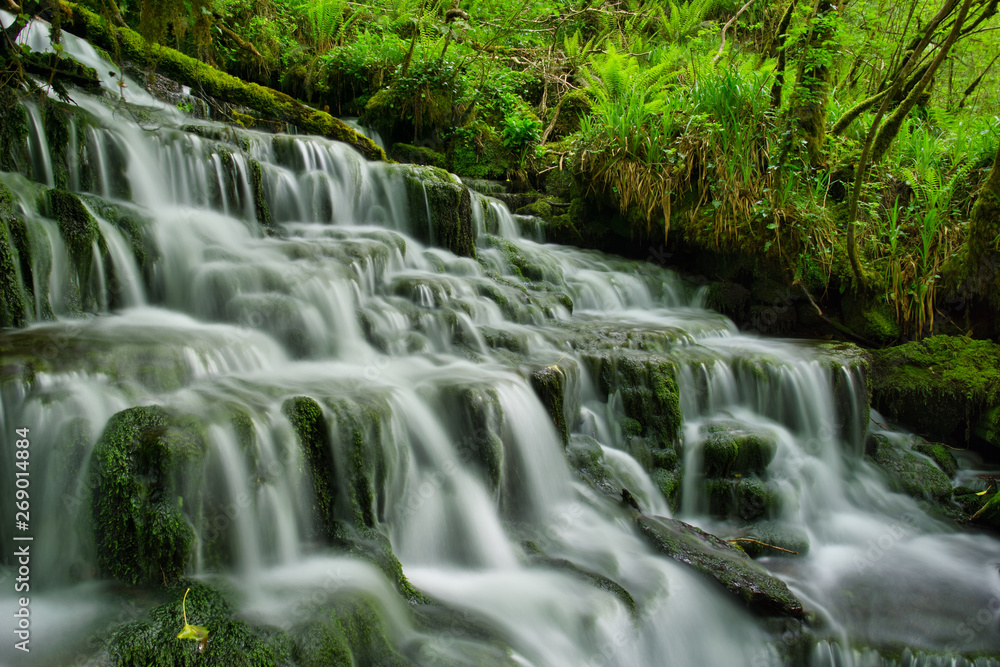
(549, 384)
(401, 152)
(939, 386)
(13, 301)
(907, 473)
(13, 131)
(477, 408)
(350, 631)
(231, 642)
(731, 449)
(441, 209)
(715, 558)
(310, 425)
(145, 472)
(941, 455)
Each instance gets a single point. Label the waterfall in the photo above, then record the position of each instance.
(233, 273)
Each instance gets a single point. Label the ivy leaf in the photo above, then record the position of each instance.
(197, 632)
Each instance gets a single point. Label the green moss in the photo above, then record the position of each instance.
(417, 155)
(478, 152)
(669, 484)
(13, 131)
(520, 265)
(907, 473)
(374, 547)
(309, 422)
(55, 120)
(477, 413)
(79, 231)
(872, 319)
(746, 498)
(13, 301)
(441, 209)
(730, 449)
(260, 206)
(145, 469)
(938, 386)
(349, 631)
(269, 103)
(231, 642)
(549, 384)
(648, 388)
(941, 455)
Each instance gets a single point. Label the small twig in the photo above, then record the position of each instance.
(763, 544)
(722, 46)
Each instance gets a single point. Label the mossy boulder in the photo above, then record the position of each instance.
(549, 384)
(731, 449)
(941, 456)
(717, 559)
(906, 472)
(648, 388)
(401, 152)
(13, 300)
(371, 545)
(310, 425)
(145, 472)
(480, 418)
(940, 387)
(747, 498)
(350, 631)
(79, 231)
(357, 426)
(872, 320)
(440, 209)
(231, 642)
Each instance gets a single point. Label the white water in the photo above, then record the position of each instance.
(345, 306)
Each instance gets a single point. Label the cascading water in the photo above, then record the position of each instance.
(425, 367)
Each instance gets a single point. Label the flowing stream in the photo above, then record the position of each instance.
(339, 301)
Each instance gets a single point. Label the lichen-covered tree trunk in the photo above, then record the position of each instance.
(811, 94)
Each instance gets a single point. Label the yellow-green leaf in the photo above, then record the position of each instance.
(193, 632)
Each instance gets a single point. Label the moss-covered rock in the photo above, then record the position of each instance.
(231, 642)
(401, 152)
(907, 473)
(79, 231)
(374, 547)
(260, 206)
(145, 473)
(940, 386)
(941, 456)
(717, 559)
(480, 416)
(730, 449)
(549, 384)
(441, 209)
(351, 631)
(648, 388)
(872, 320)
(270, 104)
(309, 422)
(13, 301)
(357, 425)
(747, 498)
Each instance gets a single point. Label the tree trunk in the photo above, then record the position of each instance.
(811, 94)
